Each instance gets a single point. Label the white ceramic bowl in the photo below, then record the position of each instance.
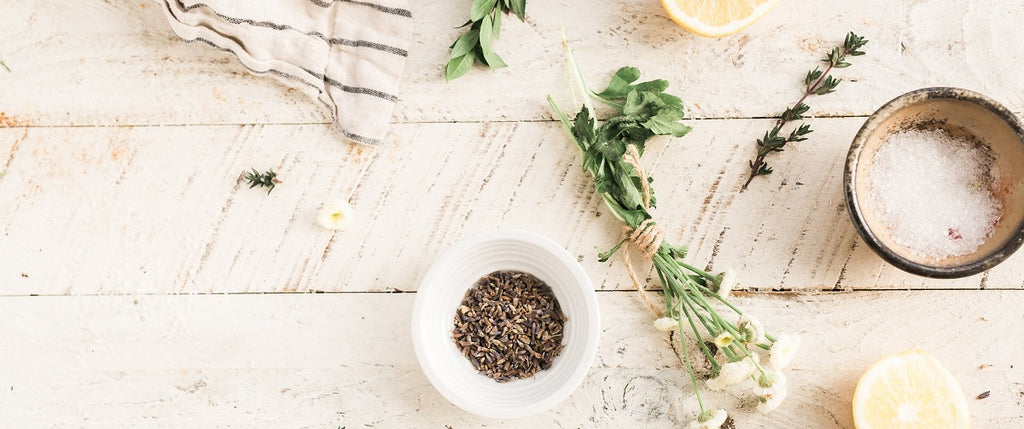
(443, 289)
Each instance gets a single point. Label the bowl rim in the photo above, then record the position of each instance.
(850, 176)
(592, 321)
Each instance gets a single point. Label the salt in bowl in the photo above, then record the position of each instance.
(958, 112)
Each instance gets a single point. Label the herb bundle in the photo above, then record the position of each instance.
(816, 82)
(476, 43)
(693, 297)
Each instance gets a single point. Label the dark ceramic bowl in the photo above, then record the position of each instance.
(958, 112)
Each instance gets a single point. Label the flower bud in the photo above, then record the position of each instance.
(783, 350)
(666, 324)
(710, 419)
(751, 329)
(732, 373)
(724, 339)
(725, 282)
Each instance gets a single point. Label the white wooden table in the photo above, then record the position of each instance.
(141, 285)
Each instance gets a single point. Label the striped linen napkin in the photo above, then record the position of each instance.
(349, 54)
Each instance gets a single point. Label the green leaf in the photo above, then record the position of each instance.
(480, 8)
(588, 164)
(466, 43)
(812, 76)
(620, 83)
(583, 128)
(645, 104)
(634, 218)
(497, 25)
(609, 149)
(519, 8)
(793, 114)
(630, 198)
(458, 66)
(657, 85)
(634, 103)
(486, 34)
(671, 101)
(665, 123)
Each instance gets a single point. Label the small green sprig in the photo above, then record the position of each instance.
(264, 180)
(816, 82)
(476, 43)
(4, 65)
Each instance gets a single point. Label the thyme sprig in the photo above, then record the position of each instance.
(695, 300)
(4, 65)
(484, 27)
(264, 180)
(816, 82)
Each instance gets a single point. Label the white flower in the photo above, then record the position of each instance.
(732, 373)
(751, 329)
(713, 420)
(771, 400)
(666, 324)
(769, 384)
(724, 339)
(783, 350)
(727, 283)
(335, 215)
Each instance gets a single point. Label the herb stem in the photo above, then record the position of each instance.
(697, 271)
(759, 160)
(693, 326)
(816, 82)
(715, 295)
(689, 366)
(581, 84)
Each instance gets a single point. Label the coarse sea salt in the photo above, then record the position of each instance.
(933, 191)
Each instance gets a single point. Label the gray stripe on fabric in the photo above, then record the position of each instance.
(352, 89)
(330, 40)
(330, 108)
(363, 44)
(385, 9)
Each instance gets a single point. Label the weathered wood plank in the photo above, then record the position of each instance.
(161, 209)
(347, 360)
(104, 63)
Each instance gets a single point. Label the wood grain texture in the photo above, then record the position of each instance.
(162, 210)
(169, 285)
(104, 63)
(314, 361)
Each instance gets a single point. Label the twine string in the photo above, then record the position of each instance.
(646, 237)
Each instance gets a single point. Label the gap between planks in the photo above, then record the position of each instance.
(745, 294)
(414, 122)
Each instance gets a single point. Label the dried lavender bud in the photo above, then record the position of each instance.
(509, 326)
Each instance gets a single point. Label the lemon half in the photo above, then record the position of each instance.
(717, 18)
(909, 390)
